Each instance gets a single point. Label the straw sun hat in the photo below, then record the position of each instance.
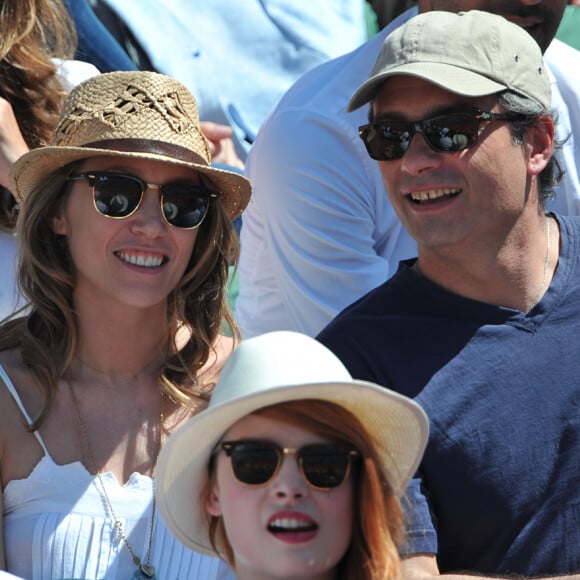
(140, 115)
(274, 368)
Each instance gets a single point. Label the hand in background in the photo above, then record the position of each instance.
(221, 145)
(12, 144)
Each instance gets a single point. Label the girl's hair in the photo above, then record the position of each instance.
(378, 516)
(33, 32)
(45, 330)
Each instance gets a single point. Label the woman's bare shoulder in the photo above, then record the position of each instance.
(15, 439)
(12, 364)
(222, 348)
(19, 376)
(224, 345)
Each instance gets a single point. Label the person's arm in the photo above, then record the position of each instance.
(12, 144)
(317, 195)
(424, 567)
(221, 145)
(2, 556)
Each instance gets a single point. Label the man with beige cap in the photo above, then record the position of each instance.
(319, 231)
(482, 327)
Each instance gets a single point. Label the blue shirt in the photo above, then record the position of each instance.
(238, 57)
(501, 473)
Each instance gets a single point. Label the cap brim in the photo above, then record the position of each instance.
(451, 78)
(182, 469)
(31, 170)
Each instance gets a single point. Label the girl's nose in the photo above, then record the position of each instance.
(289, 482)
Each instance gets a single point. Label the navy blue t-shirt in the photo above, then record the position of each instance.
(501, 473)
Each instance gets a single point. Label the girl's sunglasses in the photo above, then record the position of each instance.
(323, 466)
(117, 195)
(389, 139)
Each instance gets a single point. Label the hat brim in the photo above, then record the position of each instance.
(449, 77)
(182, 469)
(31, 170)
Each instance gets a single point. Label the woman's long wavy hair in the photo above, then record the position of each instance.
(378, 516)
(45, 330)
(33, 32)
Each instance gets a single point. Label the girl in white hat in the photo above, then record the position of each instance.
(295, 470)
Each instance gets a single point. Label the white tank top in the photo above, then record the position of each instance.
(57, 526)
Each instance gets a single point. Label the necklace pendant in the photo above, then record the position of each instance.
(144, 571)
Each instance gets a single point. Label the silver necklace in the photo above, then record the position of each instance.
(144, 569)
(538, 294)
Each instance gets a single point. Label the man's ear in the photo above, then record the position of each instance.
(539, 141)
(212, 505)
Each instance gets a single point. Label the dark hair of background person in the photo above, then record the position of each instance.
(387, 10)
(33, 32)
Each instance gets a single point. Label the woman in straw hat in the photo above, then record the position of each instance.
(126, 239)
(295, 470)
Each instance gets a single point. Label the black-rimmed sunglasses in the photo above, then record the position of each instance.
(118, 195)
(256, 462)
(389, 139)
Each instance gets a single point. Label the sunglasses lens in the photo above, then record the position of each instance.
(451, 132)
(386, 141)
(389, 139)
(185, 205)
(324, 466)
(116, 196)
(254, 463)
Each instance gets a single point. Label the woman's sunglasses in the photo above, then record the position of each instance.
(117, 195)
(389, 139)
(323, 466)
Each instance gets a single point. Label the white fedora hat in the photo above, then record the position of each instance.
(273, 368)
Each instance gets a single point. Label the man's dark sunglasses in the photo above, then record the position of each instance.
(389, 139)
(184, 204)
(256, 462)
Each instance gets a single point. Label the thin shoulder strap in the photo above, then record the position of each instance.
(12, 390)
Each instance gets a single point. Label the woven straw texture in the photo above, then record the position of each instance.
(154, 109)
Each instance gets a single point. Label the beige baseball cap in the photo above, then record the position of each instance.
(471, 53)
